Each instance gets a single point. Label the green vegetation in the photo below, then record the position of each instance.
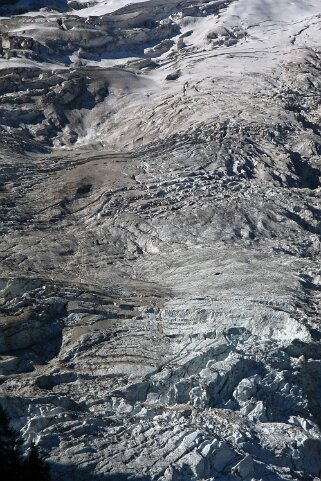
(14, 465)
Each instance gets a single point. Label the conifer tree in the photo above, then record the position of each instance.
(9, 456)
(12, 465)
(35, 466)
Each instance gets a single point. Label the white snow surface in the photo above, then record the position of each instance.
(102, 7)
(253, 12)
(97, 8)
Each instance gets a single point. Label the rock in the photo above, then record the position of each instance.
(173, 76)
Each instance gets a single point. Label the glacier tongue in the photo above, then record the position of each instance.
(160, 248)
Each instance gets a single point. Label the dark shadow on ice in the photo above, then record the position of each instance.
(69, 472)
(16, 7)
(136, 51)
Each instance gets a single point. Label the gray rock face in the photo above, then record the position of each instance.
(160, 249)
